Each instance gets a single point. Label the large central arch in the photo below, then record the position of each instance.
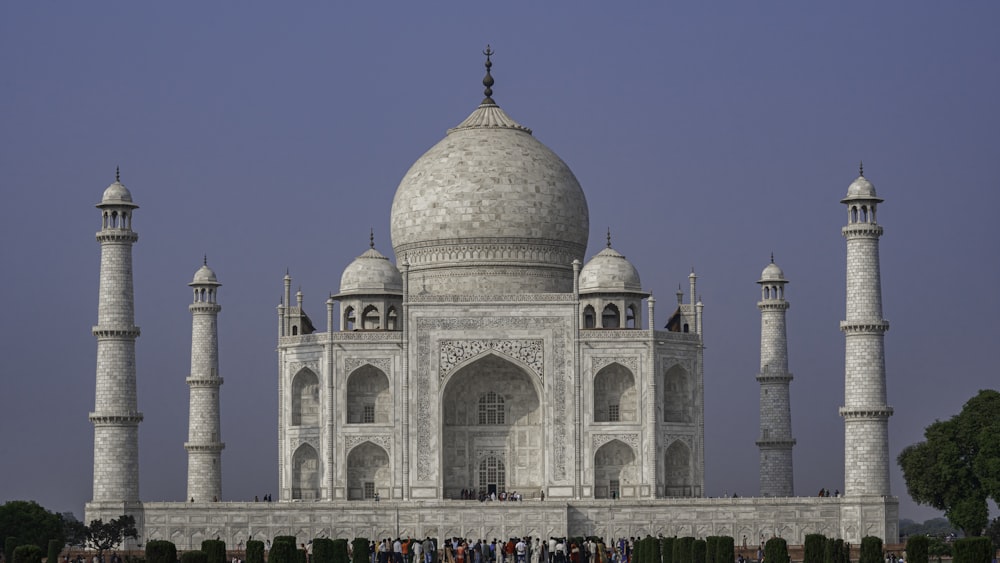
(491, 409)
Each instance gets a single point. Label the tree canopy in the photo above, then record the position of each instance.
(957, 467)
(103, 536)
(30, 523)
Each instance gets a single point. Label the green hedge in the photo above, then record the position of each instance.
(340, 553)
(359, 550)
(282, 551)
(711, 542)
(160, 551)
(725, 550)
(698, 549)
(255, 551)
(9, 545)
(667, 550)
(322, 550)
(55, 546)
(871, 550)
(835, 551)
(776, 551)
(195, 556)
(916, 549)
(814, 548)
(215, 550)
(971, 550)
(682, 549)
(27, 554)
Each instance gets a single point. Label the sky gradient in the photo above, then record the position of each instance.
(706, 135)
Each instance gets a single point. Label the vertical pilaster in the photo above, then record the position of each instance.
(204, 445)
(116, 416)
(775, 441)
(866, 414)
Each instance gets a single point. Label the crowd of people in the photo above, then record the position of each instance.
(513, 550)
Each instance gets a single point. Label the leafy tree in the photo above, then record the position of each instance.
(30, 523)
(9, 545)
(27, 554)
(938, 548)
(104, 536)
(993, 532)
(916, 549)
(957, 468)
(75, 532)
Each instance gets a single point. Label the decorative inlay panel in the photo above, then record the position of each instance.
(298, 441)
(630, 438)
(296, 367)
(631, 362)
(384, 364)
(671, 438)
(380, 440)
(454, 352)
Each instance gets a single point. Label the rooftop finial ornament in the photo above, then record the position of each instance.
(861, 168)
(609, 237)
(117, 174)
(772, 258)
(488, 79)
(371, 237)
(204, 260)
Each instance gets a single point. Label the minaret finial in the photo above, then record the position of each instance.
(772, 258)
(204, 260)
(118, 174)
(371, 237)
(861, 168)
(609, 237)
(488, 79)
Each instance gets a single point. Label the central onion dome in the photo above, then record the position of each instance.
(489, 209)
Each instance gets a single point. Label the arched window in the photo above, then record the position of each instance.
(630, 317)
(491, 409)
(611, 317)
(615, 398)
(349, 319)
(677, 397)
(854, 214)
(677, 466)
(589, 317)
(305, 473)
(368, 397)
(392, 319)
(767, 292)
(370, 320)
(305, 399)
(864, 214)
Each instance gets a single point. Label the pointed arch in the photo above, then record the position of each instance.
(589, 317)
(349, 320)
(305, 473)
(392, 319)
(615, 395)
(370, 319)
(677, 395)
(679, 480)
(369, 398)
(631, 316)
(305, 398)
(614, 466)
(368, 471)
(611, 317)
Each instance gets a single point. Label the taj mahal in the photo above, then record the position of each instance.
(493, 356)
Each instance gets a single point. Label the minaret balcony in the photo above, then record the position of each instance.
(122, 418)
(111, 333)
(862, 230)
(873, 413)
(879, 326)
(195, 381)
(207, 447)
(117, 235)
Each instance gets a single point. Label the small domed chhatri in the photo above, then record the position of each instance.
(772, 273)
(609, 271)
(117, 193)
(371, 273)
(205, 275)
(861, 188)
(490, 209)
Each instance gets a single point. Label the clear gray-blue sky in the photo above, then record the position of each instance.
(705, 134)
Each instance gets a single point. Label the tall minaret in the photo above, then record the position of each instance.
(116, 417)
(204, 445)
(776, 440)
(866, 414)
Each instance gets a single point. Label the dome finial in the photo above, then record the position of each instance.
(861, 168)
(772, 258)
(609, 237)
(371, 237)
(488, 79)
(117, 174)
(204, 260)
